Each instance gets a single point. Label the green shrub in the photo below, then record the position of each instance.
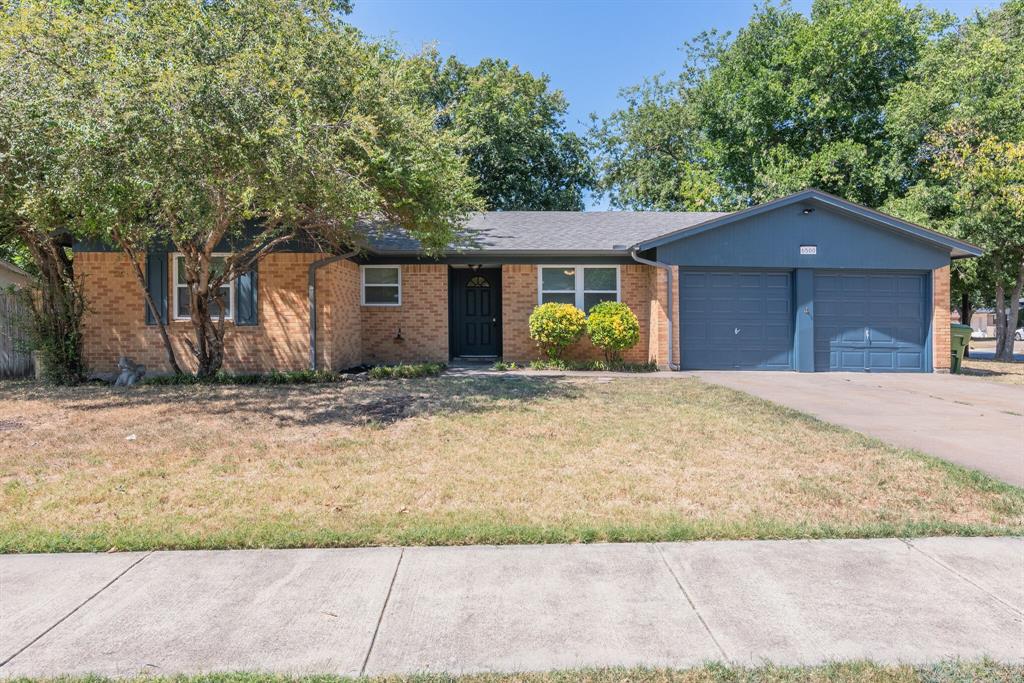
(407, 371)
(596, 365)
(555, 326)
(504, 365)
(613, 328)
(272, 377)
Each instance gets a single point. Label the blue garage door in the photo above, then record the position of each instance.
(869, 321)
(735, 320)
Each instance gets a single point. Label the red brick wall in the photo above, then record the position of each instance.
(348, 334)
(519, 297)
(659, 346)
(339, 327)
(114, 323)
(422, 319)
(940, 320)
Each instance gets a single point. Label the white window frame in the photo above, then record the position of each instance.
(580, 277)
(175, 286)
(363, 285)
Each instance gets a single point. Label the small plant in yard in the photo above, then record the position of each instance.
(407, 370)
(272, 377)
(597, 365)
(555, 327)
(613, 328)
(504, 365)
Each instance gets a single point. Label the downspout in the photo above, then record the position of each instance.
(669, 313)
(311, 288)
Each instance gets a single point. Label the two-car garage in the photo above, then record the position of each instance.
(746, 320)
(811, 283)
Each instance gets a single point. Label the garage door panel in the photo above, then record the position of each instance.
(911, 286)
(851, 358)
(721, 331)
(778, 332)
(909, 360)
(747, 316)
(878, 309)
(850, 335)
(910, 311)
(722, 281)
(778, 306)
(881, 360)
(853, 283)
(777, 361)
(751, 306)
(869, 321)
(696, 332)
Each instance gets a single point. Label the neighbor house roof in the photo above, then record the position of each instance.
(525, 232)
(14, 270)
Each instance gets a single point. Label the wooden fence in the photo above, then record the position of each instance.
(14, 362)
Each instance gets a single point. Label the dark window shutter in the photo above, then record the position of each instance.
(246, 287)
(156, 283)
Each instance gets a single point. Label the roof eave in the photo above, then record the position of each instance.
(958, 248)
(573, 253)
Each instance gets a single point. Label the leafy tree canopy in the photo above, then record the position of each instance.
(194, 124)
(960, 123)
(789, 102)
(512, 128)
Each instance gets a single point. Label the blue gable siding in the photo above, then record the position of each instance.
(773, 240)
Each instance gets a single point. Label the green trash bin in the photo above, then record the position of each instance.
(960, 337)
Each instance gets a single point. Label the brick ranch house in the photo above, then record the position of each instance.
(809, 282)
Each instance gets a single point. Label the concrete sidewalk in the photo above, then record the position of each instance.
(394, 610)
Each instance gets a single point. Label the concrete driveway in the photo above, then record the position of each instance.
(973, 423)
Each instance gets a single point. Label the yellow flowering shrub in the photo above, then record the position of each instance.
(613, 328)
(556, 326)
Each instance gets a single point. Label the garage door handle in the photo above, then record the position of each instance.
(736, 331)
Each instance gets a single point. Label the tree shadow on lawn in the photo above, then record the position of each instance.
(354, 403)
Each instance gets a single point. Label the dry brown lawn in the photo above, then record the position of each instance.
(1005, 373)
(951, 671)
(452, 460)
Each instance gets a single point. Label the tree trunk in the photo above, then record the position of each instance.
(140, 277)
(966, 312)
(1006, 316)
(57, 313)
(209, 344)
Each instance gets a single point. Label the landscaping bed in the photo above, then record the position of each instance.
(456, 460)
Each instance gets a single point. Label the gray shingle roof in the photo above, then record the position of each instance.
(549, 231)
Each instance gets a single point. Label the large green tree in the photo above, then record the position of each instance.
(36, 98)
(237, 127)
(513, 135)
(791, 101)
(960, 122)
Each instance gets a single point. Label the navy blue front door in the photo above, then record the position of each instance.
(870, 321)
(735, 320)
(476, 314)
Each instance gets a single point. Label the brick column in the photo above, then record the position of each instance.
(659, 316)
(940, 319)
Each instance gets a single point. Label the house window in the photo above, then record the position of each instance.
(581, 286)
(182, 300)
(382, 285)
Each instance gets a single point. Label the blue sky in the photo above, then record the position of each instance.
(589, 48)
